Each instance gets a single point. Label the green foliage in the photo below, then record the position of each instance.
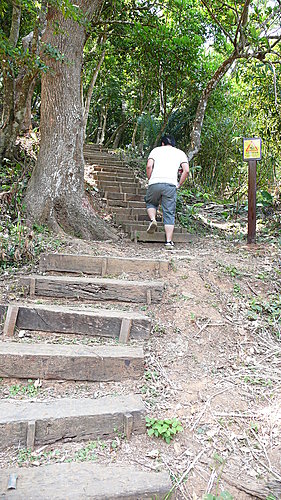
(30, 390)
(269, 310)
(224, 495)
(165, 429)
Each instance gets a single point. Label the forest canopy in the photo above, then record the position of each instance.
(205, 71)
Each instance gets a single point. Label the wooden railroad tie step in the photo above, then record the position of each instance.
(94, 289)
(159, 236)
(84, 481)
(101, 265)
(60, 319)
(75, 362)
(28, 424)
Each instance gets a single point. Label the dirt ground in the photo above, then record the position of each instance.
(213, 362)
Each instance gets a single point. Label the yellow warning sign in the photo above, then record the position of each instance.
(252, 149)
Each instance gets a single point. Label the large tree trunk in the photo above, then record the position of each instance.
(55, 194)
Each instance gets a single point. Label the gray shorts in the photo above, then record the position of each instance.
(166, 194)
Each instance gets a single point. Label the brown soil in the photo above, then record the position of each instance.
(213, 362)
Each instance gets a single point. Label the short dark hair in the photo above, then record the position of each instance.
(168, 140)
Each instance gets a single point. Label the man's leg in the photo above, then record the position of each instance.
(152, 201)
(151, 212)
(169, 230)
(169, 196)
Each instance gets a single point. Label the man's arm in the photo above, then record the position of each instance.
(185, 171)
(149, 167)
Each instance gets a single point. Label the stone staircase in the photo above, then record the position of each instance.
(78, 281)
(124, 195)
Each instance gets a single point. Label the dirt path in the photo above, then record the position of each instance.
(213, 362)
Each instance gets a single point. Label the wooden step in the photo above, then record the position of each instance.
(112, 162)
(36, 423)
(138, 226)
(93, 288)
(129, 211)
(84, 481)
(108, 169)
(124, 196)
(75, 362)
(118, 218)
(108, 187)
(126, 204)
(124, 187)
(160, 236)
(101, 265)
(114, 174)
(100, 322)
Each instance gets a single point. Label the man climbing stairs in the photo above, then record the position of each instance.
(124, 194)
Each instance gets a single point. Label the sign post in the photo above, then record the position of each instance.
(251, 154)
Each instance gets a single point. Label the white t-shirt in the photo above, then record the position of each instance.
(167, 161)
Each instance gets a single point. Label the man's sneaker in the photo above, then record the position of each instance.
(152, 227)
(169, 245)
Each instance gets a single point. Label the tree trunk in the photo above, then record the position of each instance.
(90, 92)
(26, 124)
(201, 108)
(9, 86)
(55, 194)
(133, 142)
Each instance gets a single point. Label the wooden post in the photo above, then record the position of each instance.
(252, 188)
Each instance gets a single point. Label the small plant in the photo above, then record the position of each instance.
(166, 429)
(31, 389)
(87, 453)
(224, 495)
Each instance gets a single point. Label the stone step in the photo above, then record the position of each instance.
(75, 362)
(100, 322)
(160, 236)
(36, 423)
(101, 265)
(84, 481)
(93, 288)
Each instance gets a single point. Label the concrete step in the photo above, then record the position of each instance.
(75, 362)
(101, 265)
(36, 423)
(93, 289)
(100, 322)
(160, 236)
(84, 481)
